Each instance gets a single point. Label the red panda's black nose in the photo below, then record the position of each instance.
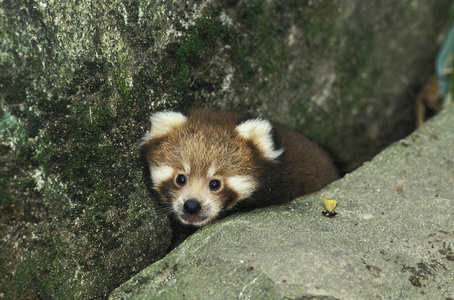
(192, 206)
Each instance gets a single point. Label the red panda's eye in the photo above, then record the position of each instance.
(181, 180)
(215, 184)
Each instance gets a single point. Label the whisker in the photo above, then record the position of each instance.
(165, 209)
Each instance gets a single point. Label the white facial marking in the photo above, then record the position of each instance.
(259, 131)
(187, 168)
(197, 189)
(164, 122)
(211, 171)
(243, 185)
(161, 173)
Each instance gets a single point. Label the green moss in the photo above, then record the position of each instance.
(79, 150)
(317, 23)
(126, 106)
(15, 151)
(184, 61)
(92, 153)
(185, 65)
(355, 57)
(81, 143)
(12, 132)
(52, 272)
(29, 280)
(312, 115)
(352, 63)
(450, 15)
(267, 46)
(184, 55)
(4, 187)
(45, 268)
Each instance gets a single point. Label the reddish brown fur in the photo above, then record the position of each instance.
(206, 137)
(309, 167)
(209, 136)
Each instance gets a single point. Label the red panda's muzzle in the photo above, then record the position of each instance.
(193, 220)
(192, 206)
(191, 212)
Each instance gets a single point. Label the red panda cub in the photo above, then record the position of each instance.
(207, 164)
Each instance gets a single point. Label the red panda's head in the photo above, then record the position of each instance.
(205, 163)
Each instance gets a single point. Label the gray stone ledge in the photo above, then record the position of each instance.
(393, 237)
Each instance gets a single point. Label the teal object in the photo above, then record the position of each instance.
(444, 63)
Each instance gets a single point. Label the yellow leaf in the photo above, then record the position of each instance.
(330, 205)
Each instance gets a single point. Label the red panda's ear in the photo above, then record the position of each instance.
(259, 132)
(164, 122)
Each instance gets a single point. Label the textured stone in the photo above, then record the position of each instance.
(78, 80)
(392, 237)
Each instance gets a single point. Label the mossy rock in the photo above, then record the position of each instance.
(79, 79)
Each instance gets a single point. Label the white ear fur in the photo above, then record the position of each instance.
(164, 122)
(161, 173)
(259, 132)
(243, 185)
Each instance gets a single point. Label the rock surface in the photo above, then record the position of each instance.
(79, 79)
(393, 237)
